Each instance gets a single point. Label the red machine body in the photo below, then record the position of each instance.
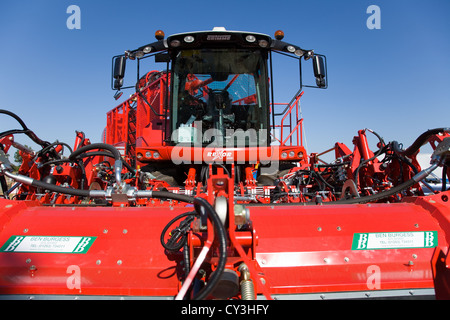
(156, 212)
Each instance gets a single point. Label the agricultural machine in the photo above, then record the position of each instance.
(202, 189)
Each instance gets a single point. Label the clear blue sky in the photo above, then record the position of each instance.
(394, 80)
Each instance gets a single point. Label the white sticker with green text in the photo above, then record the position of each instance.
(395, 240)
(48, 244)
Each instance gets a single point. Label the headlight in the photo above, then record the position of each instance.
(189, 39)
(250, 38)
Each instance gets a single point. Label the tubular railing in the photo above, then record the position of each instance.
(290, 127)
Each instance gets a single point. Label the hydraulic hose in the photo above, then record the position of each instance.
(106, 154)
(420, 141)
(104, 146)
(178, 237)
(25, 129)
(95, 193)
(170, 195)
(48, 186)
(221, 234)
(384, 194)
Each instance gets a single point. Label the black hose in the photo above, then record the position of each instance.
(15, 116)
(96, 146)
(222, 238)
(378, 196)
(172, 196)
(444, 178)
(420, 141)
(49, 149)
(387, 193)
(221, 234)
(59, 189)
(106, 154)
(25, 130)
(4, 186)
(178, 238)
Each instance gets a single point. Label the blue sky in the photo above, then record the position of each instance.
(394, 80)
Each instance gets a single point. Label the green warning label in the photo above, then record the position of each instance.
(395, 240)
(48, 244)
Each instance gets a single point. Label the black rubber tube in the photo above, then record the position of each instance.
(378, 196)
(105, 154)
(222, 238)
(172, 196)
(177, 245)
(59, 189)
(96, 146)
(25, 130)
(420, 141)
(15, 116)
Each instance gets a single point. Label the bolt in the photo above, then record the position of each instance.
(25, 230)
(105, 231)
(119, 262)
(98, 262)
(125, 231)
(32, 270)
(319, 229)
(346, 259)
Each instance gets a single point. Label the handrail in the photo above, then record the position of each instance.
(294, 123)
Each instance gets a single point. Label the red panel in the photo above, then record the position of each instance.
(125, 259)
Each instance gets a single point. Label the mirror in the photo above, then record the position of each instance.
(320, 71)
(119, 71)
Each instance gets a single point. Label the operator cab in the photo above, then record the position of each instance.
(219, 84)
(220, 88)
(218, 93)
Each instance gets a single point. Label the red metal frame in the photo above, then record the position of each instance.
(296, 240)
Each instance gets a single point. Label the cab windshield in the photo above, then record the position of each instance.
(220, 97)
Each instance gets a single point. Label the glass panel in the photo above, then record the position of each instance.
(220, 97)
